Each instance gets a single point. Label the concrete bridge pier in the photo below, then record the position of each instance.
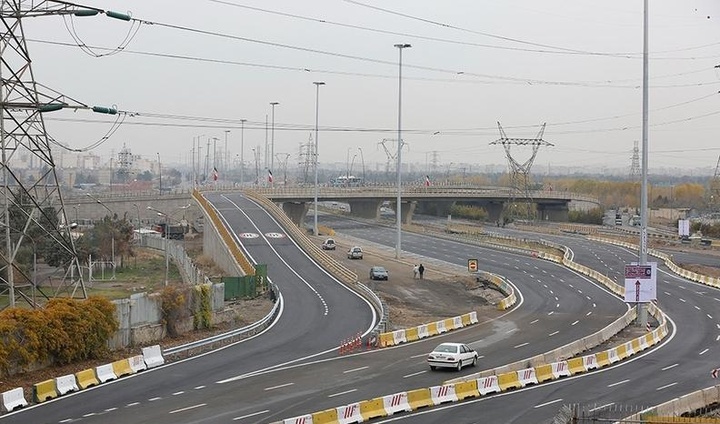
(495, 211)
(406, 213)
(369, 209)
(553, 212)
(296, 211)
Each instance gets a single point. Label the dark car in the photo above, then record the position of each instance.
(378, 273)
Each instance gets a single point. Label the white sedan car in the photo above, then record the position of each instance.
(452, 355)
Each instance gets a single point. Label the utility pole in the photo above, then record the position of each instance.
(225, 156)
(242, 151)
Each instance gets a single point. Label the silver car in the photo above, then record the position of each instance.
(355, 252)
(452, 355)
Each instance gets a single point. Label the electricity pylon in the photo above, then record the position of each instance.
(520, 183)
(32, 209)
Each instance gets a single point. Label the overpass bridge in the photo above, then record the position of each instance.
(364, 202)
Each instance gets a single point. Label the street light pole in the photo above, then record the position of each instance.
(242, 151)
(225, 156)
(159, 173)
(272, 137)
(398, 219)
(166, 232)
(362, 160)
(317, 110)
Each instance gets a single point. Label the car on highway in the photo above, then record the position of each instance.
(378, 273)
(452, 355)
(355, 252)
(328, 244)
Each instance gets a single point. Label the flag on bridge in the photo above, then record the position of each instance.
(215, 174)
(427, 181)
(270, 177)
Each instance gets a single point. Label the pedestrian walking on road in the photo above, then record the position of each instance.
(421, 270)
(416, 270)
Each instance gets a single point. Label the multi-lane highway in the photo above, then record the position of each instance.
(293, 368)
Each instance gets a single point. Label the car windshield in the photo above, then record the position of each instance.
(379, 269)
(446, 348)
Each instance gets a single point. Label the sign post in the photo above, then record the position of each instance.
(472, 265)
(641, 282)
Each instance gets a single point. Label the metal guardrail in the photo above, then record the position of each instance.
(232, 335)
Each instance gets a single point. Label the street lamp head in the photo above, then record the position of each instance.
(319, 83)
(274, 103)
(402, 46)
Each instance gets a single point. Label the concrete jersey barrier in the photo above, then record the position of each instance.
(13, 399)
(153, 356)
(66, 384)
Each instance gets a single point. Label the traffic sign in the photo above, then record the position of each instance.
(641, 282)
(472, 265)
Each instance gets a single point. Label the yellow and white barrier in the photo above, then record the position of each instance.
(45, 390)
(443, 394)
(527, 377)
(86, 378)
(153, 356)
(137, 363)
(66, 384)
(349, 414)
(560, 369)
(105, 373)
(13, 399)
(396, 403)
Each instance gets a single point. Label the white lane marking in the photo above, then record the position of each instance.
(697, 307)
(251, 415)
(683, 300)
(556, 299)
(601, 407)
(199, 405)
(355, 369)
(511, 331)
(66, 420)
(278, 387)
(588, 314)
(704, 351)
(178, 393)
(418, 356)
(414, 374)
(342, 393)
(89, 415)
(669, 367)
(594, 305)
(665, 386)
(709, 316)
(574, 323)
(618, 383)
(534, 321)
(552, 312)
(547, 403)
(521, 345)
(553, 333)
(132, 404)
(199, 387)
(154, 399)
(557, 305)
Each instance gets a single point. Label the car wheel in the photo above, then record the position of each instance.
(432, 367)
(474, 363)
(459, 365)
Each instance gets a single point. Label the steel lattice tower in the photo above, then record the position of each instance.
(714, 200)
(635, 164)
(32, 213)
(520, 182)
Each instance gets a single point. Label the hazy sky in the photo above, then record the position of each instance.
(575, 64)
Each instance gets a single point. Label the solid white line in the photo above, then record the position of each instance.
(414, 374)
(132, 404)
(574, 323)
(553, 333)
(618, 383)
(601, 407)
(278, 387)
(342, 393)
(704, 351)
(199, 405)
(251, 415)
(355, 369)
(178, 393)
(666, 386)
(669, 367)
(547, 403)
(521, 345)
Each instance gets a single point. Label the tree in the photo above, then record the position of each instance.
(110, 235)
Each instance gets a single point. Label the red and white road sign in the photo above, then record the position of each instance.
(641, 282)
